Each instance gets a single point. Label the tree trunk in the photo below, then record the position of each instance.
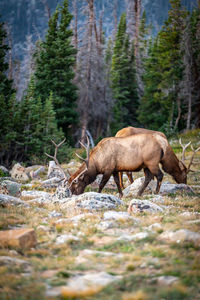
(88, 72)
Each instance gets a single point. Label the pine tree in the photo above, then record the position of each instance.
(5, 83)
(123, 80)
(54, 68)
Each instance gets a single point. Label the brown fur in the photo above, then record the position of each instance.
(170, 162)
(114, 154)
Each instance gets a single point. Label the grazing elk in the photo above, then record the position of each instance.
(132, 153)
(127, 131)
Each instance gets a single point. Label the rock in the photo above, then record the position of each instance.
(36, 194)
(110, 184)
(14, 262)
(18, 238)
(74, 220)
(18, 172)
(133, 188)
(166, 188)
(3, 171)
(91, 201)
(62, 193)
(54, 214)
(133, 237)
(62, 239)
(156, 226)
(167, 280)
(118, 216)
(53, 171)
(52, 182)
(6, 200)
(170, 188)
(88, 284)
(35, 173)
(180, 236)
(137, 205)
(88, 252)
(104, 225)
(10, 188)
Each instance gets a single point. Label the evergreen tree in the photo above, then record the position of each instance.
(54, 68)
(164, 74)
(5, 83)
(123, 80)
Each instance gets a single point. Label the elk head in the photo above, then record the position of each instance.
(185, 170)
(78, 181)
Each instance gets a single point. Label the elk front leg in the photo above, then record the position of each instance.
(117, 181)
(148, 178)
(120, 178)
(104, 180)
(159, 181)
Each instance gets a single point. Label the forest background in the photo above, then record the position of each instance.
(98, 68)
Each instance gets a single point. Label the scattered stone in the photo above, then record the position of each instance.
(104, 225)
(36, 194)
(62, 239)
(88, 252)
(54, 171)
(88, 284)
(166, 188)
(6, 200)
(137, 205)
(50, 183)
(54, 214)
(19, 172)
(34, 173)
(133, 237)
(119, 216)
(11, 188)
(43, 228)
(180, 236)
(62, 193)
(14, 262)
(156, 226)
(18, 238)
(90, 201)
(167, 280)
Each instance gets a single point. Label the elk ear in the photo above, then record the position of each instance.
(181, 165)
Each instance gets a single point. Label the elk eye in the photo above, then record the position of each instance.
(76, 181)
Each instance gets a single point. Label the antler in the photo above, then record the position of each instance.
(87, 148)
(191, 160)
(56, 160)
(184, 148)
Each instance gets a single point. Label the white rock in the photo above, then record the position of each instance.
(18, 172)
(54, 214)
(9, 200)
(83, 282)
(154, 226)
(118, 215)
(62, 239)
(133, 237)
(90, 201)
(137, 205)
(180, 236)
(167, 280)
(36, 194)
(104, 225)
(87, 252)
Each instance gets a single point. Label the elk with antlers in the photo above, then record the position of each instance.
(131, 131)
(132, 153)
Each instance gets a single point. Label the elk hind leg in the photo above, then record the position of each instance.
(120, 176)
(148, 178)
(117, 181)
(130, 177)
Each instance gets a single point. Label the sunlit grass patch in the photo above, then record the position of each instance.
(138, 295)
